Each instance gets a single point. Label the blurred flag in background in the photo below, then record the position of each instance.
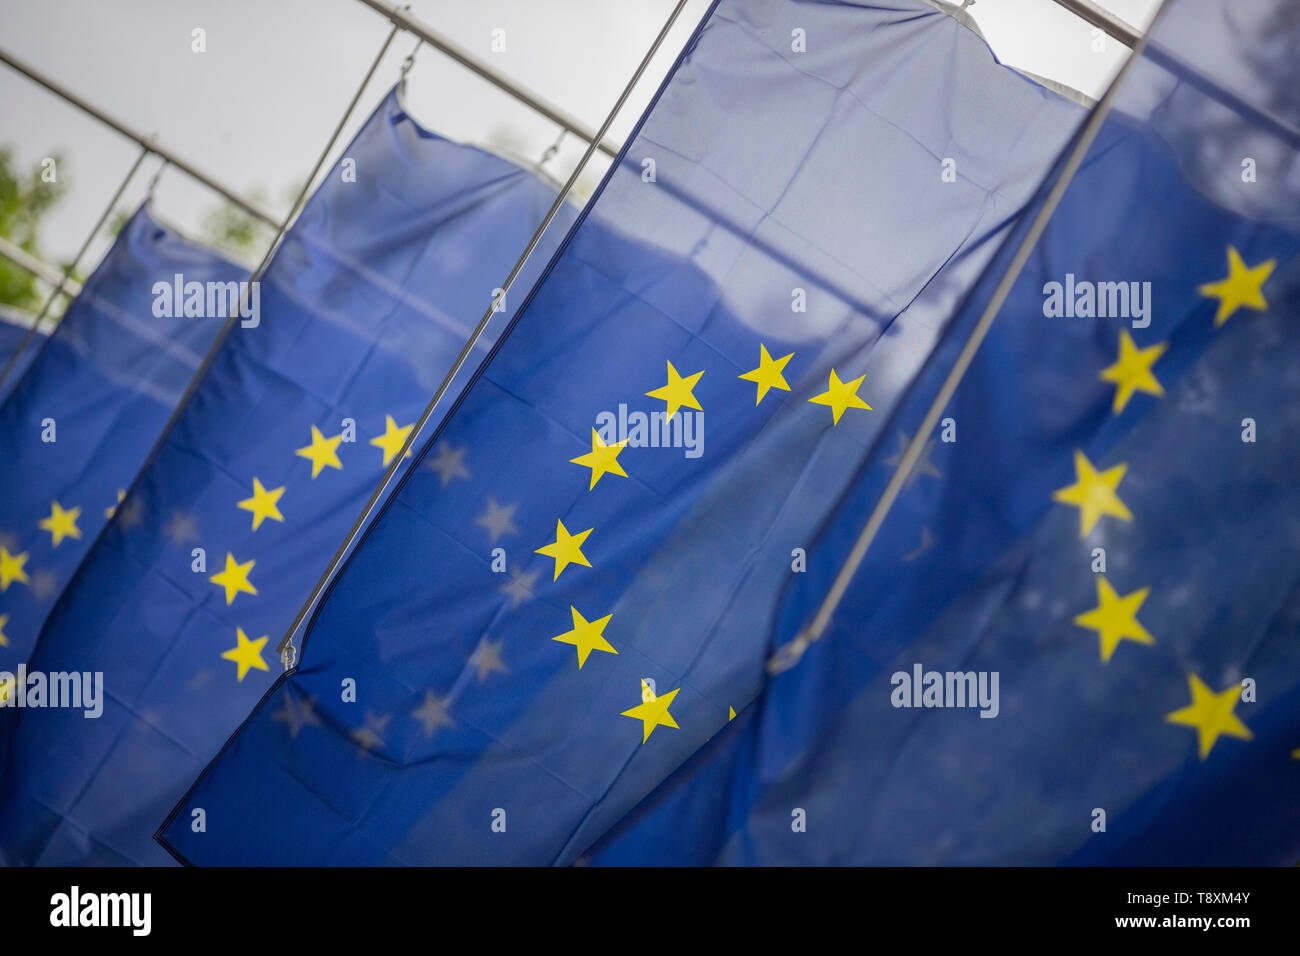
(77, 426)
(372, 294)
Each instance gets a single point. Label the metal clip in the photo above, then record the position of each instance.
(552, 149)
(788, 655)
(153, 183)
(410, 59)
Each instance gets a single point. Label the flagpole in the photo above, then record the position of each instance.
(53, 86)
(790, 653)
(286, 647)
(72, 266)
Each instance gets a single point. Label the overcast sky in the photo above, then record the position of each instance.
(255, 110)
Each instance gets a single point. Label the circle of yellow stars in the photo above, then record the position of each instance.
(567, 548)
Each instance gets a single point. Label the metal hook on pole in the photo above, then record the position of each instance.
(153, 181)
(410, 58)
(551, 150)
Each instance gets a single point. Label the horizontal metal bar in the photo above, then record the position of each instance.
(39, 268)
(24, 320)
(147, 142)
(559, 117)
(1103, 20)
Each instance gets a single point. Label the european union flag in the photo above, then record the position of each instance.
(1074, 638)
(356, 321)
(510, 662)
(79, 424)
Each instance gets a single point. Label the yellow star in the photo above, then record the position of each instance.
(566, 549)
(1132, 370)
(321, 452)
(112, 509)
(768, 374)
(234, 578)
(4, 641)
(602, 460)
(586, 636)
(841, 396)
(1115, 618)
(678, 391)
(1093, 493)
(61, 523)
(731, 714)
(392, 439)
(653, 712)
(1242, 287)
(11, 568)
(246, 654)
(1211, 714)
(264, 504)
(1295, 754)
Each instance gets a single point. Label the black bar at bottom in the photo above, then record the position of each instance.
(635, 908)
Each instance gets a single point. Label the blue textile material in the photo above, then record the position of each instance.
(79, 423)
(370, 297)
(772, 199)
(980, 568)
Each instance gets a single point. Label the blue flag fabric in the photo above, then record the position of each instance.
(742, 266)
(372, 294)
(78, 425)
(13, 331)
(1108, 524)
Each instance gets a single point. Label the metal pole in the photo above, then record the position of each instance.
(404, 21)
(42, 270)
(67, 273)
(39, 78)
(285, 647)
(1103, 20)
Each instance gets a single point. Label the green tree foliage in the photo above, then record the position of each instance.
(25, 198)
(229, 229)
